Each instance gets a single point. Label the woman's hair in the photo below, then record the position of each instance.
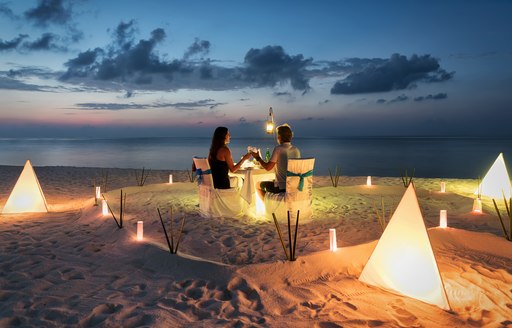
(218, 141)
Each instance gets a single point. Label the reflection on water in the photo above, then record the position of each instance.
(429, 157)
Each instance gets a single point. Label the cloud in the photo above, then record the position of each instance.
(137, 65)
(437, 96)
(281, 94)
(6, 11)
(124, 59)
(47, 41)
(49, 12)
(271, 65)
(7, 83)
(396, 73)
(193, 105)
(199, 47)
(399, 99)
(12, 44)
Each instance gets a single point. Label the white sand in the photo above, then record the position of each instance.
(72, 267)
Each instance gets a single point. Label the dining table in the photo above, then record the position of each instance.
(252, 176)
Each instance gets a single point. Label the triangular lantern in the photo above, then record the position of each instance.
(27, 195)
(403, 260)
(496, 182)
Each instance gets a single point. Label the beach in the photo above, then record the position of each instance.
(74, 267)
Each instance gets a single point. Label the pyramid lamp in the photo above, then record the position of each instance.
(403, 261)
(27, 195)
(496, 182)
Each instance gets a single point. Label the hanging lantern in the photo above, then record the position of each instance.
(332, 240)
(443, 220)
(270, 122)
(140, 230)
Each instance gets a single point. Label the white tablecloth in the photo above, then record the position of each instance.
(252, 178)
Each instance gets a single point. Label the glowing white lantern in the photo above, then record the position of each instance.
(140, 230)
(443, 186)
(27, 195)
(477, 205)
(369, 180)
(332, 240)
(443, 221)
(403, 260)
(496, 182)
(104, 207)
(98, 192)
(170, 178)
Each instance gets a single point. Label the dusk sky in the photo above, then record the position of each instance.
(328, 68)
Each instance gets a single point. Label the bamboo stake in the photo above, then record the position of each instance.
(280, 236)
(179, 236)
(295, 237)
(165, 231)
(290, 237)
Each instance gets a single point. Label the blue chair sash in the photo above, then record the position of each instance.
(199, 175)
(301, 176)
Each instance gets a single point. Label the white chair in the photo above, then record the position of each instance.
(299, 191)
(216, 202)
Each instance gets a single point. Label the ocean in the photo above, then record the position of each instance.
(385, 156)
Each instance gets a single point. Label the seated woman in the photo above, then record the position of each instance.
(220, 159)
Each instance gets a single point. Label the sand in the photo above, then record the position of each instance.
(73, 267)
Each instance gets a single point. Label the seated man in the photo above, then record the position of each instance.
(279, 157)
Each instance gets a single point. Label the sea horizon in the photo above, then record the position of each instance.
(426, 156)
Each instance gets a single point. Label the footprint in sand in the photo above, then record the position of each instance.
(228, 241)
(402, 316)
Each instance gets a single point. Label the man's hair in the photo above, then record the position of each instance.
(285, 132)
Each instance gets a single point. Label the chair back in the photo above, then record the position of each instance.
(299, 177)
(203, 172)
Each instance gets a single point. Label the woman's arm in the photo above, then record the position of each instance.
(225, 152)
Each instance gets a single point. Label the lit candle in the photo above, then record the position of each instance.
(170, 178)
(443, 221)
(98, 192)
(104, 207)
(332, 240)
(369, 180)
(443, 186)
(477, 205)
(140, 230)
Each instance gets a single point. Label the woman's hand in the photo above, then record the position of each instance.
(246, 156)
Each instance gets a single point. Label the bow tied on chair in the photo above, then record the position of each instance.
(200, 173)
(301, 176)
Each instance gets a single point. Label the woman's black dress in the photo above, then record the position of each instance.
(220, 175)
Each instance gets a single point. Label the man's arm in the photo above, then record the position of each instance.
(266, 165)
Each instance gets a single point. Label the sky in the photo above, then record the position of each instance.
(95, 68)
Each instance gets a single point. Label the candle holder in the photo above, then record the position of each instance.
(332, 240)
(140, 230)
(443, 220)
(477, 205)
(104, 207)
